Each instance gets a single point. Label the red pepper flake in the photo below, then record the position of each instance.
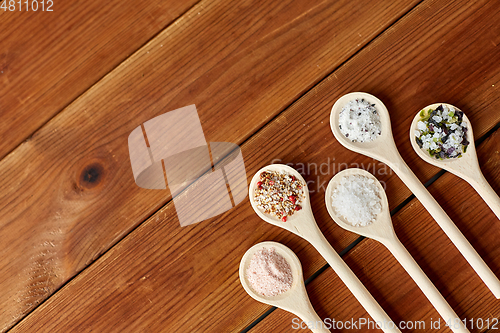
(259, 184)
(283, 219)
(271, 182)
(292, 199)
(293, 178)
(298, 207)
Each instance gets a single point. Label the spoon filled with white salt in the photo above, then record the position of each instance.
(361, 123)
(271, 273)
(279, 195)
(441, 134)
(357, 202)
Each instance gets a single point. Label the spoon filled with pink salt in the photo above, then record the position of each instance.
(279, 195)
(271, 273)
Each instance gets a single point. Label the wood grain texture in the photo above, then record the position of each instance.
(439, 259)
(47, 59)
(165, 278)
(241, 63)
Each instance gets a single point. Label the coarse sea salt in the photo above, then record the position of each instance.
(269, 273)
(359, 121)
(356, 198)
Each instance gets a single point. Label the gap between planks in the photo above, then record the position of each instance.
(345, 250)
(173, 22)
(285, 107)
(258, 130)
(358, 240)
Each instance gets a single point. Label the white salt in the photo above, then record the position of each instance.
(359, 121)
(356, 198)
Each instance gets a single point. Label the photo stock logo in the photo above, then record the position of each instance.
(205, 179)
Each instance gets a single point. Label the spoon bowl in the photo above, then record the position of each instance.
(377, 148)
(294, 300)
(465, 167)
(381, 229)
(294, 223)
(462, 166)
(384, 150)
(302, 223)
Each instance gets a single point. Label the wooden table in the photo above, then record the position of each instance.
(84, 249)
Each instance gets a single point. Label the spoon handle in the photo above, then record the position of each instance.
(443, 220)
(427, 287)
(481, 185)
(318, 240)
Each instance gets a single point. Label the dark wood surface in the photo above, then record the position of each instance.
(108, 256)
(48, 59)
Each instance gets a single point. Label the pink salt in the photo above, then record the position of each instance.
(269, 273)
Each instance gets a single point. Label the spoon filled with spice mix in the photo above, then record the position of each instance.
(357, 202)
(361, 123)
(279, 196)
(271, 273)
(441, 134)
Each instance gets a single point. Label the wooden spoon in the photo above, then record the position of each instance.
(382, 230)
(465, 167)
(294, 300)
(302, 223)
(384, 149)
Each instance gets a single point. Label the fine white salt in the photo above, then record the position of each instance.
(269, 273)
(356, 198)
(359, 121)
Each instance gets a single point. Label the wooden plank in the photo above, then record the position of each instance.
(161, 271)
(437, 256)
(241, 63)
(48, 59)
